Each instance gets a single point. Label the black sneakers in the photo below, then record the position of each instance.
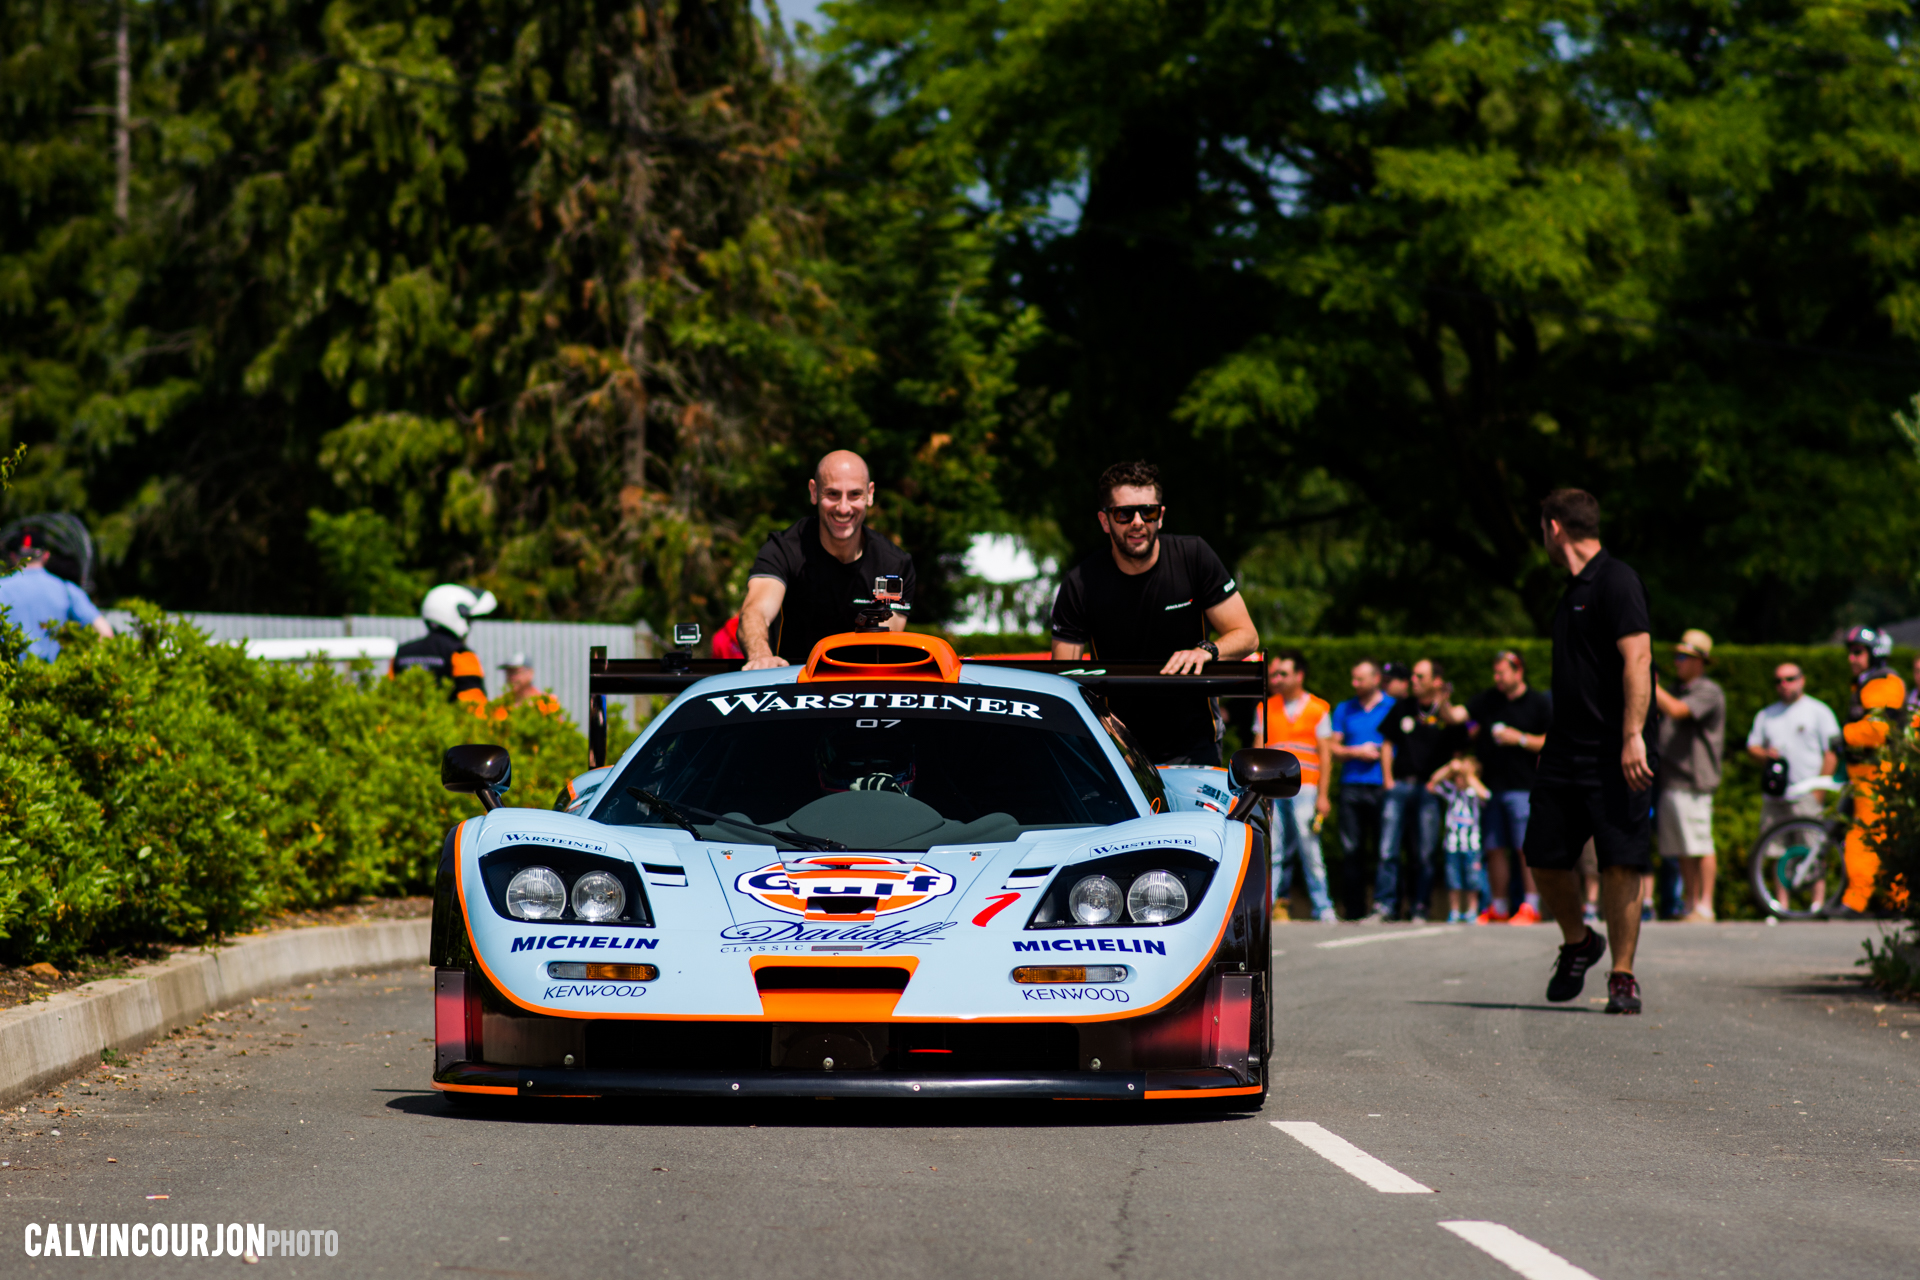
(1623, 993)
(1570, 972)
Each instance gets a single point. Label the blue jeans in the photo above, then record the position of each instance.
(1428, 814)
(1294, 840)
(1464, 871)
(1503, 833)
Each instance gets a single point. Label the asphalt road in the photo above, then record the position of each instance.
(1759, 1120)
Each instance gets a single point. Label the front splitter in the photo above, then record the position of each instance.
(551, 1082)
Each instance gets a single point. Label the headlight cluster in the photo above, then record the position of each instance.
(1154, 898)
(538, 893)
(1147, 887)
(531, 882)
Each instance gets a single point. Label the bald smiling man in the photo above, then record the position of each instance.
(811, 578)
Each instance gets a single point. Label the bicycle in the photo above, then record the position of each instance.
(1798, 865)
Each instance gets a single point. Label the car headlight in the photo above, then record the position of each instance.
(536, 893)
(1154, 898)
(597, 896)
(554, 885)
(1141, 888)
(1095, 900)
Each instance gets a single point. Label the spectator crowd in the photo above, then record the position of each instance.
(1434, 793)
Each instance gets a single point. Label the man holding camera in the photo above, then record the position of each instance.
(1793, 739)
(814, 578)
(1151, 597)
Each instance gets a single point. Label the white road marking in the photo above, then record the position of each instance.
(1375, 1173)
(1535, 1262)
(1388, 937)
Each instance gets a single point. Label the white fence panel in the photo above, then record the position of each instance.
(250, 626)
(557, 651)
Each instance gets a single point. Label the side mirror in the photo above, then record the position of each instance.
(1262, 773)
(476, 767)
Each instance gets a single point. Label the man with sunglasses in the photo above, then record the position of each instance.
(1151, 597)
(1799, 731)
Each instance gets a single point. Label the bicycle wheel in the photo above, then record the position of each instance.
(1796, 866)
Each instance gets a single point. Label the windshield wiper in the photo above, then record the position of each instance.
(678, 816)
(665, 810)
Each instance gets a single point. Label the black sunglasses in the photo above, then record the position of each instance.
(1787, 679)
(1147, 511)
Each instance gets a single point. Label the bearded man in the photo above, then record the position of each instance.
(1153, 597)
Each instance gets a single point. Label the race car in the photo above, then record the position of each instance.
(888, 872)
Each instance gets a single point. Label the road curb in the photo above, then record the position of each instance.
(45, 1042)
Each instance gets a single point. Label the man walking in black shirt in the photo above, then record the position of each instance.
(1596, 776)
(811, 579)
(1151, 598)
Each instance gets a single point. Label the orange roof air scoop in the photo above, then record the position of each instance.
(882, 655)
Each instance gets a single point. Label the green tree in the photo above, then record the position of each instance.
(1368, 280)
(531, 295)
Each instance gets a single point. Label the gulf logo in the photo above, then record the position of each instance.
(841, 886)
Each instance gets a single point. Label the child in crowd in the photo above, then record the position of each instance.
(1458, 784)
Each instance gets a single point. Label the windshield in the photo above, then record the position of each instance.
(872, 767)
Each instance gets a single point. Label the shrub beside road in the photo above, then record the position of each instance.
(161, 788)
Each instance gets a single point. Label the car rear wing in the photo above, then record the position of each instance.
(674, 673)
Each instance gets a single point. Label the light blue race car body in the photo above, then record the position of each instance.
(879, 900)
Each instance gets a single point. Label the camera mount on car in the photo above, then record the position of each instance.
(680, 658)
(888, 591)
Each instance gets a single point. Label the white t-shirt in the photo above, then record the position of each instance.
(1801, 731)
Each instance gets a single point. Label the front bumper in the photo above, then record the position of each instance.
(565, 1082)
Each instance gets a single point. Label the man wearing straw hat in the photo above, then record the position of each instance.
(1693, 740)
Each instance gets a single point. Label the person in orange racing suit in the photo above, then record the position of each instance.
(1878, 695)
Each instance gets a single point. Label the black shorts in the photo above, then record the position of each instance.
(1566, 816)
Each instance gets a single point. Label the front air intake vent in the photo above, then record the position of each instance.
(822, 977)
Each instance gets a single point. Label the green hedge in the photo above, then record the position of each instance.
(161, 788)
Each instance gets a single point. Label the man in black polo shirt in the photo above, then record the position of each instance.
(1596, 772)
(1508, 724)
(1421, 732)
(1151, 598)
(811, 579)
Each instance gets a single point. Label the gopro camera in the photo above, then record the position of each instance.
(876, 614)
(685, 635)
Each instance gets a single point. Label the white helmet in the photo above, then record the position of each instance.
(451, 606)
